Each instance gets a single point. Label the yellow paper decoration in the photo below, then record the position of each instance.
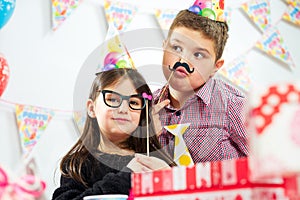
(182, 155)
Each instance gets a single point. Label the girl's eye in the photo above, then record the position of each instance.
(198, 55)
(134, 103)
(111, 99)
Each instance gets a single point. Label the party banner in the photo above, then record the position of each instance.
(31, 122)
(272, 44)
(237, 72)
(293, 3)
(120, 13)
(61, 10)
(259, 12)
(165, 17)
(79, 120)
(228, 15)
(292, 14)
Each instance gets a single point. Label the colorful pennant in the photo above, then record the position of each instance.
(259, 12)
(61, 10)
(272, 44)
(119, 13)
(79, 120)
(293, 2)
(32, 122)
(292, 14)
(181, 153)
(165, 17)
(228, 15)
(237, 72)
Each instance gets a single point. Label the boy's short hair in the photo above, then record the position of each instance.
(214, 30)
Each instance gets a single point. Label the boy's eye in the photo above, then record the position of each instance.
(177, 48)
(198, 55)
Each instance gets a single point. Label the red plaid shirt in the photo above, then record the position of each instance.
(217, 130)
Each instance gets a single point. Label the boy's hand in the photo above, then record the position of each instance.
(155, 115)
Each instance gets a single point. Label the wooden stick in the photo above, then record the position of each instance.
(163, 91)
(147, 122)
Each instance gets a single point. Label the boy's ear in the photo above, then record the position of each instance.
(91, 108)
(218, 65)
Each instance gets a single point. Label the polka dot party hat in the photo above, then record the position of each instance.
(213, 9)
(114, 53)
(182, 156)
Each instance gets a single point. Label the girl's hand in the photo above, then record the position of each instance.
(142, 163)
(137, 167)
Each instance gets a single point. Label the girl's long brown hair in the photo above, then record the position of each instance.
(89, 140)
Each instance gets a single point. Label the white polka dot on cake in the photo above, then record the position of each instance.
(297, 87)
(259, 121)
(267, 110)
(293, 97)
(273, 100)
(282, 89)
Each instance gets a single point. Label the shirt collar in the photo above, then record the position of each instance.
(205, 92)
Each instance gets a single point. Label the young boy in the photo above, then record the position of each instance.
(214, 109)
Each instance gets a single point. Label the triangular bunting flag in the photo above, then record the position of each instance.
(61, 10)
(165, 17)
(227, 15)
(259, 12)
(181, 153)
(292, 15)
(32, 122)
(272, 44)
(119, 13)
(293, 2)
(79, 120)
(237, 72)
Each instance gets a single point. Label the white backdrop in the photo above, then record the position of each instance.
(44, 66)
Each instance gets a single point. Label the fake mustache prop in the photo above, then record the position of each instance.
(185, 65)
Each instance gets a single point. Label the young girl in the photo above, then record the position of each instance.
(113, 140)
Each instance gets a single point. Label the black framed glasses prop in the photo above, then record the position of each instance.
(114, 100)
